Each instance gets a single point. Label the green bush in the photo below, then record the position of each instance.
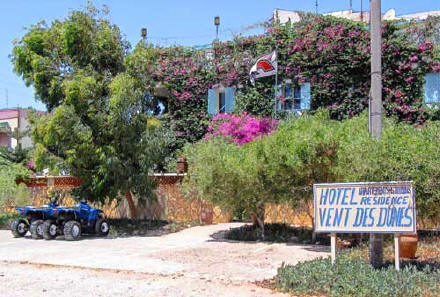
(355, 277)
(144, 227)
(274, 233)
(283, 166)
(404, 152)
(12, 194)
(6, 218)
(275, 168)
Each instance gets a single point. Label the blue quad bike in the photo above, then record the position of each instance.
(75, 221)
(56, 220)
(32, 219)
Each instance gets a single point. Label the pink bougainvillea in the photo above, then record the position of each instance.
(30, 164)
(240, 128)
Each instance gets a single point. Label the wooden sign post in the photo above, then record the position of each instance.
(384, 207)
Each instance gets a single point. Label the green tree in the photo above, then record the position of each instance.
(98, 129)
(47, 56)
(278, 167)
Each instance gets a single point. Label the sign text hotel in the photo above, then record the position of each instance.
(385, 207)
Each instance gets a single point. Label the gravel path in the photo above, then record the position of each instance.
(192, 262)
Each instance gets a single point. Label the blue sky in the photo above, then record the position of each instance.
(184, 22)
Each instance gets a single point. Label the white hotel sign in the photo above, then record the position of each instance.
(385, 207)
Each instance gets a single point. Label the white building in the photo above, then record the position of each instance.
(11, 119)
(283, 16)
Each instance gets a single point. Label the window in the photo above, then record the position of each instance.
(432, 88)
(221, 100)
(295, 97)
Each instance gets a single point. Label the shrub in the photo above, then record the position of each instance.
(12, 194)
(355, 277)
(278, 167)
(273, 233)
(284, 165)
(404, 152)
(6, 218)
(240, 129)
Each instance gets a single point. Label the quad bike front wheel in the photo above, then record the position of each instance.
(72, 230)
(37, 229)
(102, 227)
(19, 228)
(50, 229)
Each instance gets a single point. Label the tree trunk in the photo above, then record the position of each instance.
(258, 216)
(129, 198)
(310, 213)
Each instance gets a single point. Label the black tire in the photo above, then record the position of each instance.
(37, 229)
(72, 230)
(19, 228)
(50, 229)
(102, 227)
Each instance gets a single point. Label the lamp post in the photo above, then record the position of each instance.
(217, 24)
(144, 33)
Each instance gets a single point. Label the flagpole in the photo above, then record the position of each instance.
(275, 93)
(276, 84)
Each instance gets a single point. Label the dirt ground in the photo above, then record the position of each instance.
(194, 262)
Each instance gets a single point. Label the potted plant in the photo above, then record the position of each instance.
(182, 165)
(408, 245)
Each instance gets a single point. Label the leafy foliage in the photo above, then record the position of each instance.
(141, 227)
(47, 56)
(274, 233)
(12, 194)
(355, 277)
(99, 129)
(403, 152)
(284, 165)
(6, 218)
(331, 53)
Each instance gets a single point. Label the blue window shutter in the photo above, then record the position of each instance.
(432, 87)
(212, 101)
(230, 99)
(305, 96)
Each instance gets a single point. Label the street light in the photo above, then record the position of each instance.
(216, 23)
(144, 33)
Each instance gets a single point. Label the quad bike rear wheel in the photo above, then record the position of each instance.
(37, 229)
(50, 229)
(19, 228)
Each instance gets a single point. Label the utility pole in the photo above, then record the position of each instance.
(351, 4)
(362, 11)
(316, 6)
(375, 110)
